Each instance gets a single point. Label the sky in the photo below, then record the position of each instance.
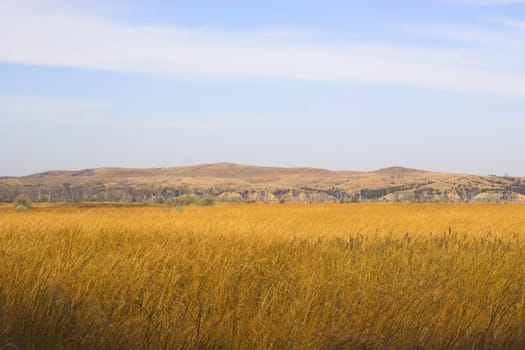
(343, 85)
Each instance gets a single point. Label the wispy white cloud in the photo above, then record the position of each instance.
(497, 46)
(493, 2)
(469, 35)
(20, 109)
(511, 22)
(50, 36)
(38, 108)
(482, 2)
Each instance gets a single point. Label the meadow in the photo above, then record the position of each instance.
(263, 276)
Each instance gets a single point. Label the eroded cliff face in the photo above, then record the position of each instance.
(239, 183)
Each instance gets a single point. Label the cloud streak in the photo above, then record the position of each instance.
(53, 37)
(512, 23)
(20, 109)
(492, 2)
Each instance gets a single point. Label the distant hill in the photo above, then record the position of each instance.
(236, 182)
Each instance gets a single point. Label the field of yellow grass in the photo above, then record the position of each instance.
(291, 276)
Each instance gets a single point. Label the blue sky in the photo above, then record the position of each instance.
(357, 85)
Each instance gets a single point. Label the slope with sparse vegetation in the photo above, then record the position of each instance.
(241, 183)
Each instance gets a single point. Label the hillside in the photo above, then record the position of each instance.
(235, 182)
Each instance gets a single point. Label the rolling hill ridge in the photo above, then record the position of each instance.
(244, 183)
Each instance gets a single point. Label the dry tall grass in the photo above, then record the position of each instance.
(263, 276)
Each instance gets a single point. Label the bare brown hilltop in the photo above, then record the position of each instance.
(236, 182)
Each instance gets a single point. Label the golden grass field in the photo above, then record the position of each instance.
(239, 276)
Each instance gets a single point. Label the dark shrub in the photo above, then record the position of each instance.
(22, 202)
